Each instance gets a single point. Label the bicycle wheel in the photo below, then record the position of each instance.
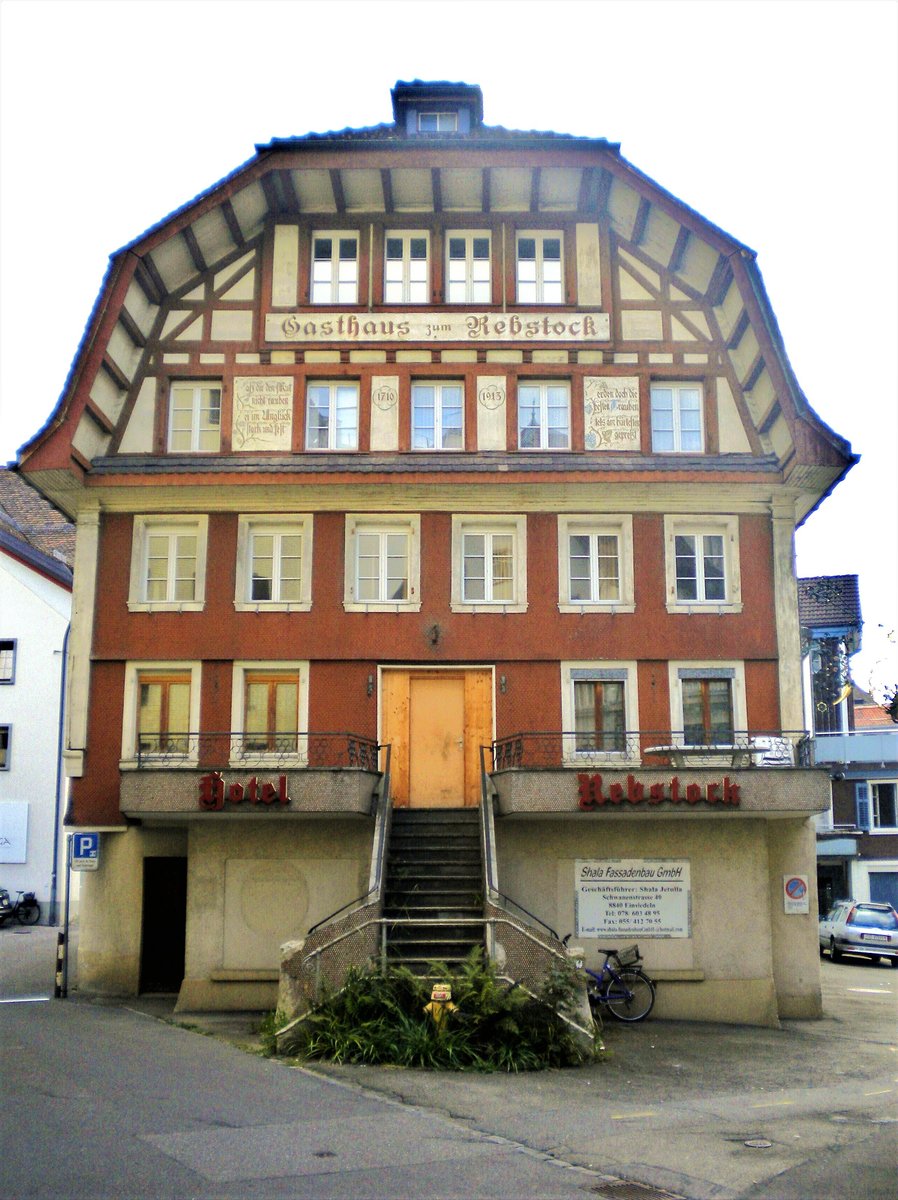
(630, 995)
(29, 914)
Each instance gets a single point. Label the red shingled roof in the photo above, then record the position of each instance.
(26, 516)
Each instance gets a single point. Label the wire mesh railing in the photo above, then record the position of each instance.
(239, 748)
(556, 749)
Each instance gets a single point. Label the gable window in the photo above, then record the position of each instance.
(5, 745)
(438, 122)
(539, 272)
(544, 416)
(437, 416)
(406, 270)
(702, 563)
(382, 568)
(168, 563)
(332, 416)
(468, 279)
(270, 711)
(677, 418)
(489, 564)
(7, 660)
(595, 563)
(274, 563)
(194, 423)
(335, 268)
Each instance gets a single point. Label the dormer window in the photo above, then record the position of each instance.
(437, 122)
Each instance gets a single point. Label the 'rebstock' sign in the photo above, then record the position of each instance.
(594, 793)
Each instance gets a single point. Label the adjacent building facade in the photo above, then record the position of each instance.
(473, 444)
(37, 547)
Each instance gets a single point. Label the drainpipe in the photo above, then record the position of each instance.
(51, 919)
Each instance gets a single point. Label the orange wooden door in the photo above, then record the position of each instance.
(436, 722)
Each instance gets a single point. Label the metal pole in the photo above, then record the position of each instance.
(63, 984)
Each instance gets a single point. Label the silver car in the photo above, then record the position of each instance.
(859, 927)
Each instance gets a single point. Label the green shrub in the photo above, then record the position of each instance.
(379, 1017)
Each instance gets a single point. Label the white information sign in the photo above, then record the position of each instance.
(13, 831)
(633, 897)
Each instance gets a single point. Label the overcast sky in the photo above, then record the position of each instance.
(775, 119)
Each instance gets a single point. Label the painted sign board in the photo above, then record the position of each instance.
(633, 897)
(438, 327)
(795, 894)
(85, 851)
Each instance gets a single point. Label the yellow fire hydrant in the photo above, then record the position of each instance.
(440, 1005)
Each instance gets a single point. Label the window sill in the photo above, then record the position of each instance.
(165, 763)
(596, 606)
(166, 606)
(711, 608)
(496, 609)
(380, 607)
(260, 606)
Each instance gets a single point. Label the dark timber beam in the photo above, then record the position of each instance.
(337, 188)
(285, 179)
(227, 211)
(534, 189)
(437, 188)
(194, 247)
(642, 220)
(679, 251)
(386, 182)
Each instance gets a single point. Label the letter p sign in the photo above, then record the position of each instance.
(85, 851)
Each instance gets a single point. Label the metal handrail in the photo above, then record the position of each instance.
(552, 749)
(222, 749)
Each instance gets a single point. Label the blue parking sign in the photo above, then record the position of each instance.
(85, 851)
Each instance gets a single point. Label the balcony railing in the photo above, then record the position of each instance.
(287, 751)
(856, 746)
(742, 749)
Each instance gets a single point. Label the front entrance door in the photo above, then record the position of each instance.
(164, 924)
(436, 721)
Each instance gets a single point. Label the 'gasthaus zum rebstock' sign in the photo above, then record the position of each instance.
(437, 327)
(630, 897)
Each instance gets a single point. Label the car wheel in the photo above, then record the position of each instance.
(895, 962)
(834, 952)
(874, 958)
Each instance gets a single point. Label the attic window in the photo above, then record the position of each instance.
(437, 122)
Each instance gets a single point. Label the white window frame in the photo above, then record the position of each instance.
(678, 388)
(489, 524)
(8, 651)
(334, 283)
(438, 431)
(451, 127)
(6, 728)
(726, 527)
(733, 669)
(332, 428)
(615, 671)
(593, 526)
(469, 236)
(170, 526)
(407, 235)
(540, 236)
(133, 672)
(262, 758)
(382, 523)
(873, 800)
(278, 524)
(543, 386)
(197, 428)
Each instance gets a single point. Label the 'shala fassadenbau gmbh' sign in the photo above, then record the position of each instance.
(438, 327)
(633, 897)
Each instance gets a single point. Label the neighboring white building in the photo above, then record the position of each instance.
(36, 553)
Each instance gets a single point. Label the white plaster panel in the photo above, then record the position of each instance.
(263, 413)
(314, 191)
(761, 396)
(362, 190)
(780, 437)
(89, 440)
(639, 270)
(285, 265)
(462, 190)
(699, 320)
(230, 325)
(234, 268)
(492, 400)
(107, 395)
(174, 318)
(385, 412)
(698, 264)
(729, 310)
(661, 233)
(641, 325)
(623, 204)
(173, 262)
(630, 288)
(138, 435)
(559, 188)
(412, 188)
(193, 332)
(679, 332)
(510, 189)
(250, 208)
(744, 355)
(212, 235)
(243, 289)
(589, 270)
(123, 352)
(140, 309)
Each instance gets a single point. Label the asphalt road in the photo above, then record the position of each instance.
(118, 1104)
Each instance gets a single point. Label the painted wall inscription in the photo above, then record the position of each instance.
(263, 413)
(611, 412)
(437, 327)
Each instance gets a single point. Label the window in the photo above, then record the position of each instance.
(382, 567)
(539, 274)
(335, 268)
(468, 277)
(7, 660)
(677, 418)
(437, 416)
(544, 421)
(884, 805)
(194, 422)
(599, 709)
(274, 563)
(332, 416)
(702, 564)
(489, 564)
(707, 703)
(595, 563)
(406, 273)
(161, 714)
(270, 711)
(438, 122)
(5, 746)
(168, 563)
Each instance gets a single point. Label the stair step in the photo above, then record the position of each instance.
(453, 897)
(433, 914)
(426, 816)
(423, 854)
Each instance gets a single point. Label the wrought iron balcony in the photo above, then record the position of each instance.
(239, 749)
(739, 749)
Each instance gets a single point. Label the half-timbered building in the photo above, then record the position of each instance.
(435, 487)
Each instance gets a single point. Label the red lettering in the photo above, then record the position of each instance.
(713, 789)
(656, 793)
(616, 793)
(591, 791)
(693, 793)
(235, 793)
(675, 790)
(212, 792)
(269, 793)
(635, 791)
(252, 794)
(282, 790)
(730, 792)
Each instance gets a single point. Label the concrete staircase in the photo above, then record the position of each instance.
(434, 874)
